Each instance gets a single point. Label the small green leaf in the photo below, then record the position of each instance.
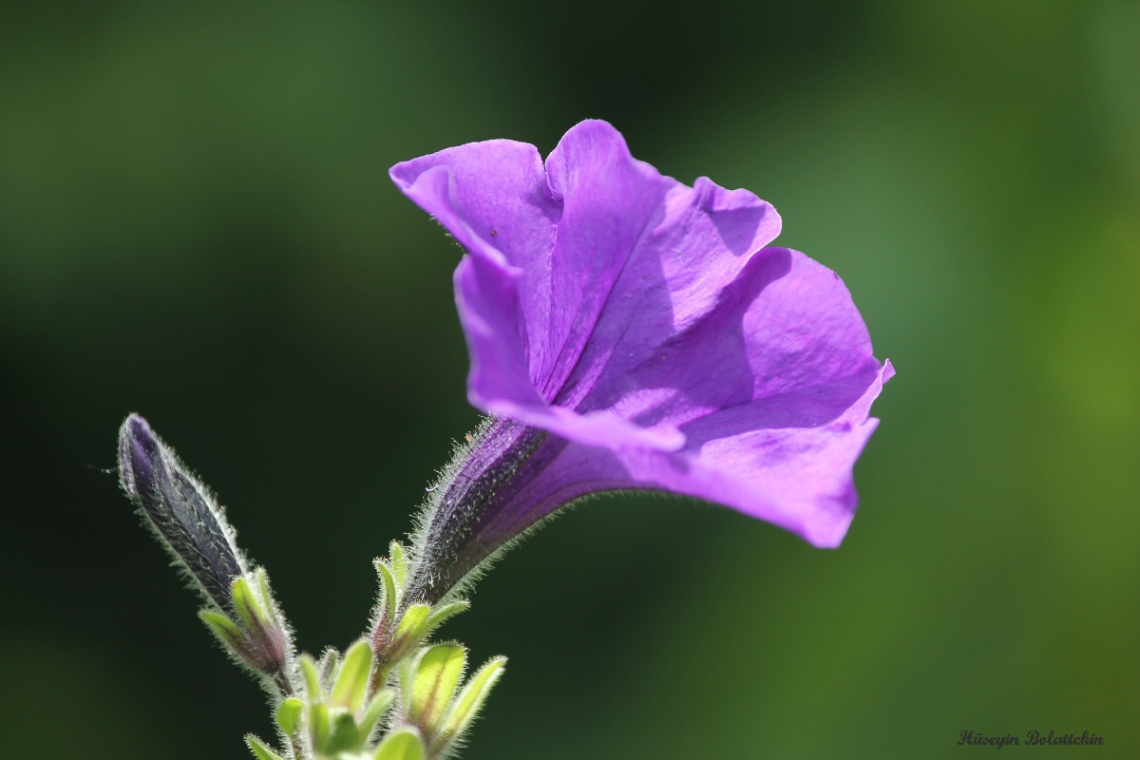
(352, 681)
(260, 749)
(343, 736)
(469, 702)
(312, 680)
(399, 563)
(404, 744)
(408, 635)
(405, 678)
(437, 675)
(268, 643)
(263, 586)
(319, 726)
(327, 667)
(375, 711)
(247, 605)
(388, 597)
(223, 628)
(289, 715)
(446, 612)
(414, 621)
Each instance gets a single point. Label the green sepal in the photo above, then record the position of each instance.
(352, 680)
(263, 587)
(375, 711)
(247, 605)
(438, 671)
(399, 563)
(264, 644)
(404, 744)
(469, 702)
(260, 749)
(445, 613)
(224, 628)
(409, 633)
(414, 622)
(343, 734)
(327, 667)
(405, 678)
(289, 715)
(319, 726)
(312, 679)
(388, 597)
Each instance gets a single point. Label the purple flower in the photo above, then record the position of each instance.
(629, 332)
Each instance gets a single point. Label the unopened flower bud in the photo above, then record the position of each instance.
(181, 511)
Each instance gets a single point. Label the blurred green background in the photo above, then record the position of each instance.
(196, 224)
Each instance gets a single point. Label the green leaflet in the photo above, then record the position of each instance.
(399, 563)
(437, 676)
(375, 711)
(352, 681)
(469, 702)
(404, 744)
(388, 589)
(289, 715)
(259, 749)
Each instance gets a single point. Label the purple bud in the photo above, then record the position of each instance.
(180, 509)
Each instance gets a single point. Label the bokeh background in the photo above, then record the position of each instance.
(196, 224)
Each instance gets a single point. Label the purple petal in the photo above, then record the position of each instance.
(600, 247)
(493, 197)
(488, 302)
(784, 323)
(786, 459)
(761, 460)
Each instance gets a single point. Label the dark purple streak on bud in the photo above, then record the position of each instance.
(180, 510)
